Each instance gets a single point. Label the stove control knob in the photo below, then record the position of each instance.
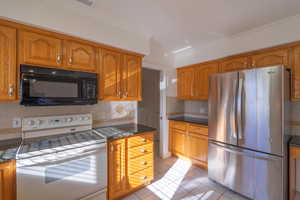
(30, 122)
(81, 118)
(39, 122)
(87, 118)
(69, 120)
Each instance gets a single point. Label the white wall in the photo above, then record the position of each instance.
(280, 32)
(57, 15)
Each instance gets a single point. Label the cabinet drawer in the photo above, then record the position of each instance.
(140, 163)
(179, 125)
(140, 150)
(140, 140)
(198, 129)
(140, 178)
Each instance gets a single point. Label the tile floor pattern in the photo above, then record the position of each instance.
(176, 179)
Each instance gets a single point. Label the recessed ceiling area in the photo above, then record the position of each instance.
(176, 24)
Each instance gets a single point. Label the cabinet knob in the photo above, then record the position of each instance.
(58, 59)
(143, 140)
(143, 177)
(119, 93)
(11, 90)
(253, 64)
(143, 163)
(70, 60)
(143, 150)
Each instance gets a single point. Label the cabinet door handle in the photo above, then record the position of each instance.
(70, 60)
(11, 90)
(58, 59)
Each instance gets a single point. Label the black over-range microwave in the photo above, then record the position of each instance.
(42, 86)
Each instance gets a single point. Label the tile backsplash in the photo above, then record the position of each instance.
(103, 112)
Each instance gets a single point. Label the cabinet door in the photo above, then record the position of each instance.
(7, 63)
(40, 49)
(197, 147)
(201, 81)
(131, 84)
(271, 58)
(8, 180)
(185, 79)
(296, 74)
(110, 76)
(234, 64)
(80, 56)
(117, 183)
(178, 141)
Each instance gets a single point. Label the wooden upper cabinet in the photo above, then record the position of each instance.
(38, 49)
(80, 56)
(7, 63)
(8, 180)
(201, 80)
(234, 64)
(110, 75)
(185, 79)
(296, 75)
(270, 58)
(117, 169)
(131, 76)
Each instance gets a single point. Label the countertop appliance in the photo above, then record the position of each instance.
(61, 157)
(248, 131)
(42, 86)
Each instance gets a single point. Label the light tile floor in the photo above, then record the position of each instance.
(177, 179)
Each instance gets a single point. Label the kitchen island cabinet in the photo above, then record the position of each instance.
(130, 164)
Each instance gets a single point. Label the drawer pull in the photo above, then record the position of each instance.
(143, 177)
(143, 163)
(143, 150)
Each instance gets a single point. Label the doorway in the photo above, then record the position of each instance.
(149, 108)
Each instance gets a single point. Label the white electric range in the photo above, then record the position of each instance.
(61, 158)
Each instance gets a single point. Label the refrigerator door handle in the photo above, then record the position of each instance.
(239, 108)
(248, 153)
(233, 116)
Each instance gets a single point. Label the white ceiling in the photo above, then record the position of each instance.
(179, 23)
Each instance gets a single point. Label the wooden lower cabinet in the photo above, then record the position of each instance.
(191, 144)
(130, 164)
(8, 180)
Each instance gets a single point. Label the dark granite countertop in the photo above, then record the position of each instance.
(295, 141)
(190, 120)
(121, 131)
(9, 148)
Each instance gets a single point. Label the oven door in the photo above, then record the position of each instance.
(50, 90)
(83, 176)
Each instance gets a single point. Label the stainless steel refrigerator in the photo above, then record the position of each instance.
(248, 131)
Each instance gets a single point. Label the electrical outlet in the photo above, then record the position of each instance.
(16, 123)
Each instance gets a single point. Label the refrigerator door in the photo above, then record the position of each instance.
(232, 167)
(270, 102)
(269, 177)
(222, 104)
(246, 109)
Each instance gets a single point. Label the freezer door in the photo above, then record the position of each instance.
(246, 109)
(269, 178)
(232, 167)
(222, 104)
(270, 102)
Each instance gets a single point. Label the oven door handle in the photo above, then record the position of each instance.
(69, 158)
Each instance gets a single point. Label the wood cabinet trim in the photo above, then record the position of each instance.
(63, 36)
